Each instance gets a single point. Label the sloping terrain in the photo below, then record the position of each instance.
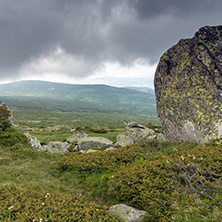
(67, 97)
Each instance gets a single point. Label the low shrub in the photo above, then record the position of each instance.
(97, 161)
(193, 176)
(35, 204)
(12, 137)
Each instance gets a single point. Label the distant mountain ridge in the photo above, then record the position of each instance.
(142, 89)
(103, 97)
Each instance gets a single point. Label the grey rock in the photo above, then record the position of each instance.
(76, 137)
(139, 133)
(57, 147)
(110, 148)
(127, 213)
(160, 137)
(33, 141)
(59, 128)
(87, 143)
(123, 140)
(188, 87)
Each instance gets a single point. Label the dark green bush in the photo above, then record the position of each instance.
(5, 114)
(36, 204)
(12, 137)
(193, 176)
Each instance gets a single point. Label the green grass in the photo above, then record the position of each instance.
(140, 175)
(78, 119)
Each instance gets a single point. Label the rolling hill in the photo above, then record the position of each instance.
(41, 95)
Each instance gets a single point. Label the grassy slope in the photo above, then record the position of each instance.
(138, 175)
(48, 96)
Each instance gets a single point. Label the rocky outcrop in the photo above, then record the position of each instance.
(139, 133)
(59, 128)
(5, 117)
(188, 86)
(123, 140)
(127, 213)
(56, 147)
(33, 142)
(88, 143)
(76, 137)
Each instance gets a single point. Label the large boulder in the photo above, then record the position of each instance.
(87, 143)
(5, 117)
(188, 86)
(73, 139)
(139, 133)
(127, 213)
(123, 140)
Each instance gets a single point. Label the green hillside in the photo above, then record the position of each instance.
(40, 95)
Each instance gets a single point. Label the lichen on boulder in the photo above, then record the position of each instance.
(127, 213)
(5, 117)
(188, 87)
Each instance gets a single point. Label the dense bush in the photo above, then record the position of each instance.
(36, 204)
(12, 137)
(5, 114)
(97, 161)
(191, 176)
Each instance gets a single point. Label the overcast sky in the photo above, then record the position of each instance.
(117, 42)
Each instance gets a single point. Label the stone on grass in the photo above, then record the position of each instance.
(127, 213)
(76, 137)
(34, 142)
(123, 140)
(59, 128)
(57, 147)
(138, 132)
(87, 143)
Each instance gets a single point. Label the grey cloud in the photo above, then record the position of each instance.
(97, 30)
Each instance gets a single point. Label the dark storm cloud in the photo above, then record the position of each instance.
(97, 30)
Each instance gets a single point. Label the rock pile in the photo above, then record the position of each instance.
(188, 87)
(137, 133)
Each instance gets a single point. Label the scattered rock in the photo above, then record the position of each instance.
(76, 137)
(188, 86)
(127, 213)
(33, 141)
(59, 128)
(110, 148)
(5, 117)
(87, 143)
(139, 133)
(123, 140)
(57, 147)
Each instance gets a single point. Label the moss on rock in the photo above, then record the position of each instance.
(188, 87)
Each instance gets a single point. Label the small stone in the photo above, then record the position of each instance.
(127, 213)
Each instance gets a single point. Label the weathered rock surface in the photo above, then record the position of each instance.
(123, 140)
(34, 142)
(87, 143)
(139, 133)
(5, 117)
(56, 147)
(59, 128)
(127, 213)
(188, 86)
(76, 137)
